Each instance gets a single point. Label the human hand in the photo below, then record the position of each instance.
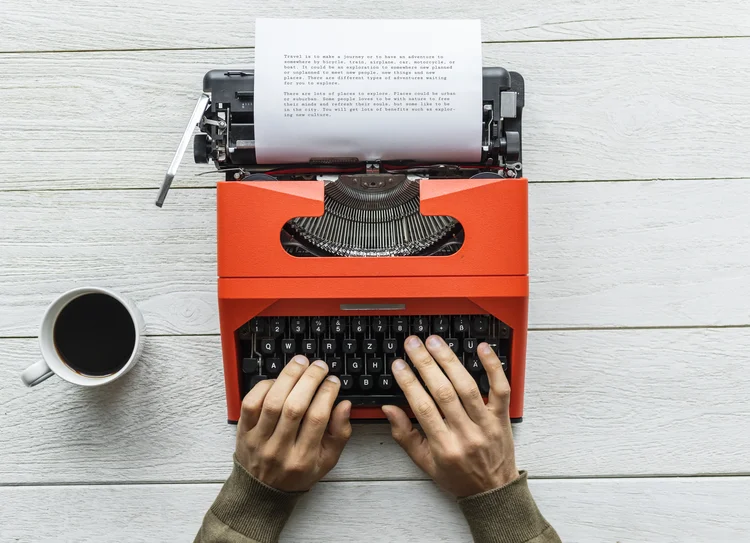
(284, 437)
(471, 449)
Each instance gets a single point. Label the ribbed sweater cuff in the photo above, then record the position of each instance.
(504, 515)
(253, 508)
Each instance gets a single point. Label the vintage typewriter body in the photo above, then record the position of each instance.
(341, 260)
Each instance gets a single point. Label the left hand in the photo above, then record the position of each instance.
(284, 437)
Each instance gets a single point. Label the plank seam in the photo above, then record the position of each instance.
(488, 42)
(739, 475)
(533, 329)
(531, 182)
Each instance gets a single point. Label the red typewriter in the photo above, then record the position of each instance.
(343, 261)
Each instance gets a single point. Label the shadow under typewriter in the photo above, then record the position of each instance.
(371, 216)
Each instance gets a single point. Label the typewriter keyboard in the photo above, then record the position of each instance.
(360, 349)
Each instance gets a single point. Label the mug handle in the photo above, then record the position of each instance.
(36, 373)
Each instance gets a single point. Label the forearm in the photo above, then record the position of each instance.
(507, 515)
(246, 511)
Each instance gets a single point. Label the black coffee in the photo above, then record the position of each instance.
(95, 335)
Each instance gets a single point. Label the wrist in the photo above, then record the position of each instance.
(501, 480)
(252, 508)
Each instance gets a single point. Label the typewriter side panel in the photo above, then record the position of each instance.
(493, 212)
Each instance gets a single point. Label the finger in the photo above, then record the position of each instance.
(274, 402)
(316, 419)
(437, 382)
(252, 405)
(499, 388)
(462, 381)
(298, 401)
(420, 402)
(338, 434)
(409, 438)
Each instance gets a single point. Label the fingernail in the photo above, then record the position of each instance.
(348, 409)
(385, 412)
(413, 342)
(333, 379)
(399, 365)
(485, 349)
(320, 364)
(299, 359)
(433, 342)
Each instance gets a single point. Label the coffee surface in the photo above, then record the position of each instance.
(95, 335)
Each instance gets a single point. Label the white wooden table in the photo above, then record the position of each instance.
(637, 425)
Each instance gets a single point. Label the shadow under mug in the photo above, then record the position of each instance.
(53, 362)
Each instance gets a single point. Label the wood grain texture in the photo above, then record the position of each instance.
(598, 403)
(106, 24)
(595, 110)
(691, 510)
(602, 254)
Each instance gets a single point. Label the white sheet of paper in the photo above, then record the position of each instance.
(368, 89)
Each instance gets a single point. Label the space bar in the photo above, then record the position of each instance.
(373, 399)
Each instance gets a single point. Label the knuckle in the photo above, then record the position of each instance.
(445, 393)
(422, 359)
(474, 444)
(408, 381)
(317, 419)
(495, 366)
(346, 432)
(452, 456)
(272, 407)
(297, 467)
(268, 456)
(293, 411)
(473, 393)
(445, 354)
(249, 406)
(424, 408)
(502, 390)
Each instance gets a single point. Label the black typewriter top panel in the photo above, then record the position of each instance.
(228, 128)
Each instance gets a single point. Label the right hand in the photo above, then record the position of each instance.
(470, 450)
(289, 434)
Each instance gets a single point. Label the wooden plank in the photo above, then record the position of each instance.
(598, 403)
(595, 110)
(602, 254)
(106, 24)
(582, 511)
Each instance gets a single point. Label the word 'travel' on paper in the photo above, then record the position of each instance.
(370, 90)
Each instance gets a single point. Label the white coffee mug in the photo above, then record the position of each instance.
(53, 363)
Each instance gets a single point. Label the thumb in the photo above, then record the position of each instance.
(409, 438)
(339, 432)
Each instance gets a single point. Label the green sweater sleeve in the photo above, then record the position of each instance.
(246, 511)
(507, 515)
